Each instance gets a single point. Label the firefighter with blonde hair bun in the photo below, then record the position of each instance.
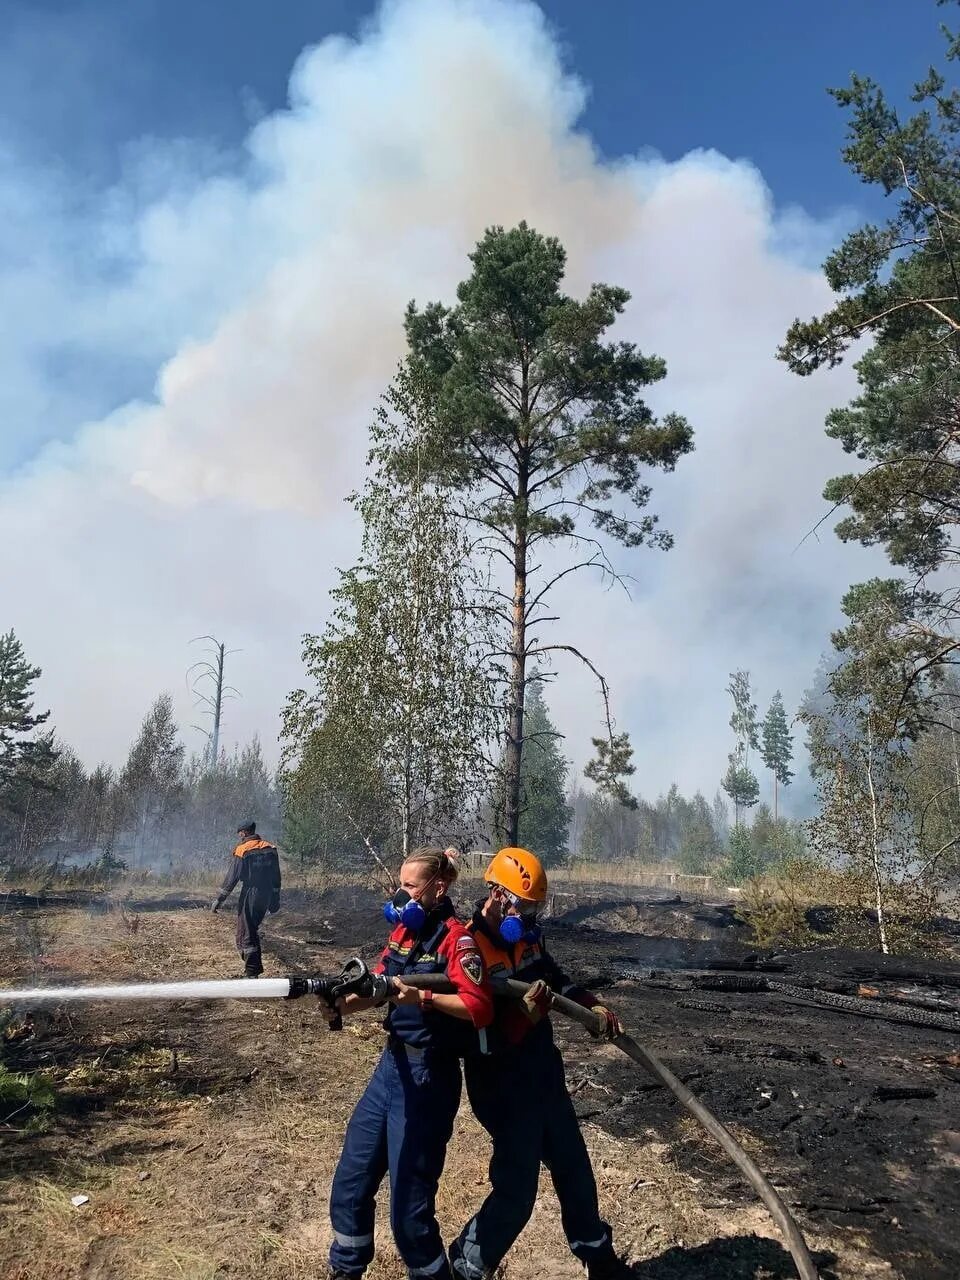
(402, 1124)
(516, 1085)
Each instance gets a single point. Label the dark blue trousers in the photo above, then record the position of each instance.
(401, 1127)
(251, 910)
(522, 1102)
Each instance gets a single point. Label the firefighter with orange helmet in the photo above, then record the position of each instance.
(516, 1085)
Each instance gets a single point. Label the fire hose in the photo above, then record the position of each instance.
(355, 978)
(596, 1024)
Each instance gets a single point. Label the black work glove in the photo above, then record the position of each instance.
(274, 904)
(215, 905)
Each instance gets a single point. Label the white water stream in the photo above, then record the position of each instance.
(214, 989)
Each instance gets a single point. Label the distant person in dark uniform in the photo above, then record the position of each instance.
(255, 865)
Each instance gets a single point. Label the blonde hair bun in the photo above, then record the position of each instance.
(439, 862)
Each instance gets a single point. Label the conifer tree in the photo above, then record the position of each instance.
(542, 431)
(777, 747)
(17, 717)
(897, 305)
(739, 781)
(544, 812)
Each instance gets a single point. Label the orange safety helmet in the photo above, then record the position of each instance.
(519, 872)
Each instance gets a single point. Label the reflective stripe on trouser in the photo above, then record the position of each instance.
(523, 1104)
(437, 1267)
(353, 1242)
(250, 912)
(401, 1127)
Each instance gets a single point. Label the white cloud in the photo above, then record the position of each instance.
(270, 297)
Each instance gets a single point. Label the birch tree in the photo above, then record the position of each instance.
(396, 730)
(150, 783)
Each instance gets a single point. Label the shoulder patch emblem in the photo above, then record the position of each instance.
(472, 966)
(466, 943)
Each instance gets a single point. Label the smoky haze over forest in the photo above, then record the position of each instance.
(254, 303)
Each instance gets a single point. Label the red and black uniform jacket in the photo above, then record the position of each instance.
(255, 863)
(529, 961)
(444, 946)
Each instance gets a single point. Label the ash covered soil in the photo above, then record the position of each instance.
(206, 1134)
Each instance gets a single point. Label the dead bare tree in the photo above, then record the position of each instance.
(210, 669)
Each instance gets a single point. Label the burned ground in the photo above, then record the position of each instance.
(205, 1135)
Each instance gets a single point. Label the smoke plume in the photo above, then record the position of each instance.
(266, 293)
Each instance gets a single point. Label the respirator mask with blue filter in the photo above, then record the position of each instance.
(404, 909)
(524, 927)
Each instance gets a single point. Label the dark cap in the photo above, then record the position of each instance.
(246, 828)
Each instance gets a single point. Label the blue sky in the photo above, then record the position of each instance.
(84, 78)
(202, 290)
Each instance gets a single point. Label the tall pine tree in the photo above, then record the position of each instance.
(897, 291)
(542, 432)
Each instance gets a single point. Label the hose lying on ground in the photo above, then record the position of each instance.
(688, 1100)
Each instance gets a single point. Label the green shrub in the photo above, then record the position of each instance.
(22, 1092)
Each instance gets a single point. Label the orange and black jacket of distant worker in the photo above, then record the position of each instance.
(255, 864)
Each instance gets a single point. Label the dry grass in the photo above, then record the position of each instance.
(152, 882)
(584, 875)
(214, 1161)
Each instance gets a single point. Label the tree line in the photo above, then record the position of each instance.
(166, 809)
(161, 809)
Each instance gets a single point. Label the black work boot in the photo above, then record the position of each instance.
(459, 1269)
(608, 1266)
